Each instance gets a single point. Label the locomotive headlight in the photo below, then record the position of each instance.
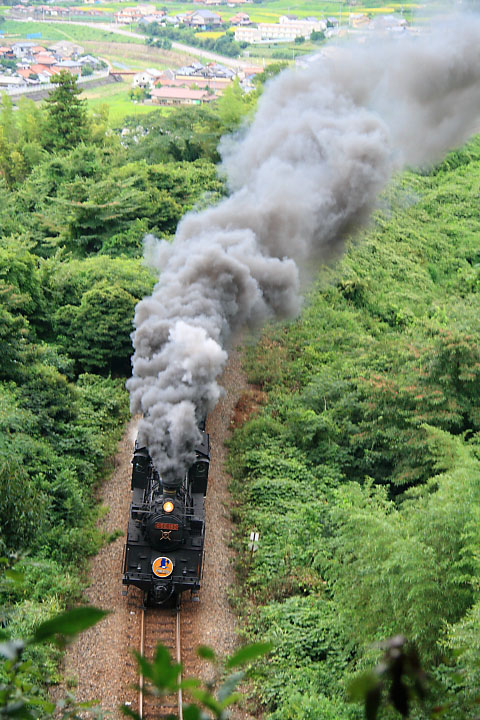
(168, 506)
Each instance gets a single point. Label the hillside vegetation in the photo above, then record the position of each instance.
(75, 204)
(361, 472)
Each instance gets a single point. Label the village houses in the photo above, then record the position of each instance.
(201, 19)
(139, 13)
(41, 12)
(240, 19)
(213, 78)
(37, 64)
(230, 3)
(193, 84)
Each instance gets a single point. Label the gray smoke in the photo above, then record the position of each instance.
(323, 144)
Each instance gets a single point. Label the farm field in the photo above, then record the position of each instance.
(130, 51)
(271, 11)
(212, 34)
(54, 31)
(132, 57)
(120, 51)
(116, 96)
(285, 53)
(137, 56)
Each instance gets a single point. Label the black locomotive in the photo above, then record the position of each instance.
(166, 530)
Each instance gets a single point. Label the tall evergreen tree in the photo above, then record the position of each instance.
(66, 122)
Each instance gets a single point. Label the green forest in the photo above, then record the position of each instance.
(361, 470)
(359, 467)
(75, 204)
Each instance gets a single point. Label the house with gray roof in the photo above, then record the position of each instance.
(203, 19)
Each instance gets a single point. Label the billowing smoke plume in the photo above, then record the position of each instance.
(324, 142)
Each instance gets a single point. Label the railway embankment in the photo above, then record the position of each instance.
(100, 664)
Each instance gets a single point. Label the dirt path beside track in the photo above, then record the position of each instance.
(99, 665)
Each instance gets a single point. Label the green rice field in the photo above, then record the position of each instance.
(53, 31)
(117, 98)
(272, 10)
(267, 11)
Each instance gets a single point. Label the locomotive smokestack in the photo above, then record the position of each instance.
(323, 144)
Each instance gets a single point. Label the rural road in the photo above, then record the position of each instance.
(191, 50)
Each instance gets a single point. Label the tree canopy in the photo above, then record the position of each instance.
(361, 469)
(66, 122)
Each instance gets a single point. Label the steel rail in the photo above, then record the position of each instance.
(142, 652)
(178, 658)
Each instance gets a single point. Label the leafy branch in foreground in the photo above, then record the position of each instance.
(398, 680)
(210, 698)
(19, 697)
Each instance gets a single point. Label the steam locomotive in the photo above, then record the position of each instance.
(166, 531)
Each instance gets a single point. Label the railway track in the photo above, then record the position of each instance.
(158, 625)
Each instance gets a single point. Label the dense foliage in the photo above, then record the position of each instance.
(223, 45)
(76, 200)
(362, 471)
(207, 698)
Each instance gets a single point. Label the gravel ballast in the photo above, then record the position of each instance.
(100, 663)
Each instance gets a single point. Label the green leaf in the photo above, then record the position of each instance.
(69, 623)
(208, 700)
(145, 666)
(361, 685)
(127, 710)
(192, 712)
(207, 653)
(231, 700)
(248, 653)
(17, 710)
(162, 672)
(88, 704)
(190, 683)
(230, 685)
(15, 576)
(49, 707)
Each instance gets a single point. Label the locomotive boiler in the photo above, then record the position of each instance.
(166, 530)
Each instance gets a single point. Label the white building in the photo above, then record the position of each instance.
(284, 31)
(147, 78)
(23, 49)
(8, 81)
